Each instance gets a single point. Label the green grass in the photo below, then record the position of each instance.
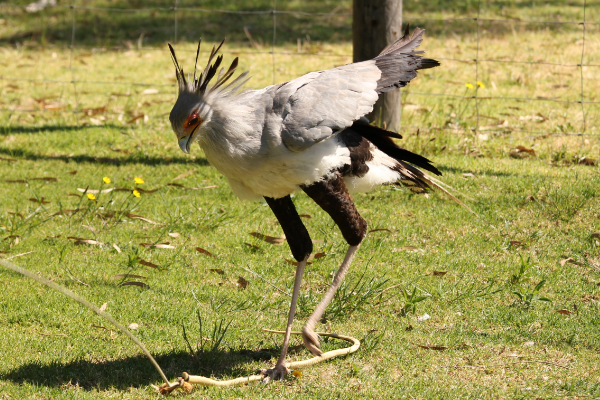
(533, 212)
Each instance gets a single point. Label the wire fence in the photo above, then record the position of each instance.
(273, 12)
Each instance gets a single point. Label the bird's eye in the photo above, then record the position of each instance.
(193, 120)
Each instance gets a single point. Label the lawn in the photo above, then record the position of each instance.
(482, 330)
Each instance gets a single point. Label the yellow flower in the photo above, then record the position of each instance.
(91, 196)
(138, 180)
(106, 179)
(469, 85)
(136, 193)
(297, 374)
(480, 84)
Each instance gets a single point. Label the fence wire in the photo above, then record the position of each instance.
(274, 12)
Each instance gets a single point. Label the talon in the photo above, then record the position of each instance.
(279, 372)
(311, 341)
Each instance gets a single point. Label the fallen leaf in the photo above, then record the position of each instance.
(174, 234)
(515, 243)
(89, 228)
(133, 326)
(184, 175)
(134, 216)
(201, 250)
(524, 149)
(163, 246)
(319, 255)
(587, 161)
(269, 239)
(103, 307)
(148, 264)
(379, 230)
(88, 241)
(529, 344)
(596, 235)
(140, 284)
(564, 311)
(127, 276)
(469, 175)
(305, 216)
(253, 246)
(439, 273)
(74, 172)
(438, 348)
(571, 261)
(150, 91)
(135, 118)
(117, 248)
(15, 181)
(93, 191)
(217, 271)
(46, 179)
(40, 200)
(242, 283)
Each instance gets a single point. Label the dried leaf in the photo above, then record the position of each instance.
(469, 175)
(438, 348)
(515, 243)
(163, 246)
(253, 246)
(135, 118)
(184, 175)
(208, 253)
(133, 326)
(571, 261)
(423, 317)
(148, 264)
(439, 273)
(117, 248)
(41, 200)
(90, 228)
(103, 307)
(596, 235)
(15, 181)
(217, 271)
(242, 283)
(45, 179)
(140, 284)
(134, 216)
(174, 234)
(269, 239)
(150, 91)
(587, 161)
(127, 276)
(305, 216)
(95, 191)
(88, 241)
(564, 311)
(524, 149)
(380, 230)
(175, 185)
(8, 159)
(74, 172)
(319, 255)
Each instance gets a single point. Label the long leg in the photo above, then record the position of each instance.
(333, 197)
(301, 246)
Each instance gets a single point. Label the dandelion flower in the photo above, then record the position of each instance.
(106, 179)
(136, 193)
(480, 84)
(91, 196)
(469, 85)
(138, 180)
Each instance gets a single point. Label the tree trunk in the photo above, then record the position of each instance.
(375, 25)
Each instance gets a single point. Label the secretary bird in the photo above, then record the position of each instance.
(307, 134)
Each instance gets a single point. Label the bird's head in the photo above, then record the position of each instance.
(192, 112)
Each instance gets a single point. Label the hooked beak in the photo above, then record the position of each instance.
(184, 143)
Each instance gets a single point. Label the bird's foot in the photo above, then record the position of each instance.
(277, 373)
(311, 341)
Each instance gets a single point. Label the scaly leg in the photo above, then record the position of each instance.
(333, 197)
(280, 370)
(310, 338)
(301, 246)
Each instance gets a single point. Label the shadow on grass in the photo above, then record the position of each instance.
(19, 129)
(84, 158)
(138, 371)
